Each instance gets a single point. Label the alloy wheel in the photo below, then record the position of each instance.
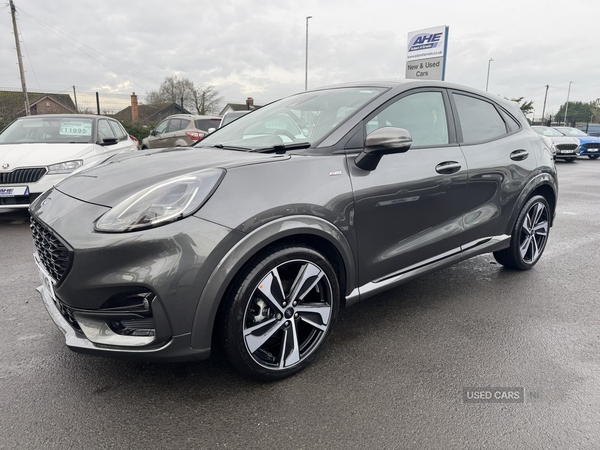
(534, 233)
(288, 315)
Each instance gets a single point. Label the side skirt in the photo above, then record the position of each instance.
(418, 270)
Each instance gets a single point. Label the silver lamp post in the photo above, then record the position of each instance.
(487, 81)
(306, 63)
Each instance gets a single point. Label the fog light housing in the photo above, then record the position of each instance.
(122, 332)
(124, 320)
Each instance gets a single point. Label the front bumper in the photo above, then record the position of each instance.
(589, 151)
(176, 349)
(171, 263)
(570, 154)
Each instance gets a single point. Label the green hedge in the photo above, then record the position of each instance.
(139, 131)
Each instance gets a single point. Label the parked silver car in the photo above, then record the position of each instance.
(567, 148)
(180, 130)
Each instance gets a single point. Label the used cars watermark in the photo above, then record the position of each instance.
(494, 395)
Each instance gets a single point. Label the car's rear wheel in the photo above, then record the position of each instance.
(593, 156)
(280, 312)
(529, 236)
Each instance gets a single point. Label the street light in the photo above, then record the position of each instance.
(487, 81)
(306, 64)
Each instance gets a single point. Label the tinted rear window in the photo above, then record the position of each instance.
(205, 124)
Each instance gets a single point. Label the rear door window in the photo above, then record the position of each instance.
(479, 120)
(174, 125)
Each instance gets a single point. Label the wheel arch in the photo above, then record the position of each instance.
(544, 185)
(314, 232)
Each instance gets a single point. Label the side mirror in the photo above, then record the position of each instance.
(153, 133)
(383, 141)
(211, 130)
(109, 141)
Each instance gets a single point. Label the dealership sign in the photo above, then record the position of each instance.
(426, 55)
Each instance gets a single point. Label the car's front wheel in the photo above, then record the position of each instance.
(593, 156)
(570, 159)
(280, 311)
(529, 236)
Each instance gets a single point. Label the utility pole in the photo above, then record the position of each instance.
(544, 109)
(19, 57)
(567, 107)
(306, 63)
(75, 98)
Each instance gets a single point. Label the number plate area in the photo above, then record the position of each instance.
(18, 191)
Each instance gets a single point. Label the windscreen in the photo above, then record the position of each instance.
(567, 131)
(48, 130)
(547, 131)
(302, 118)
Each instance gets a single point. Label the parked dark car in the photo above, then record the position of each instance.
(257, 237)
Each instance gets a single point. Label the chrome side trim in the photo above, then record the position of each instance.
(474, 248)
(425, 262)
(488, 245)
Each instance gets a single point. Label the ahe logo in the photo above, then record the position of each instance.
(424, 41)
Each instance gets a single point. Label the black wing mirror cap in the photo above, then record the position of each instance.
(109, 141)
(383, 141)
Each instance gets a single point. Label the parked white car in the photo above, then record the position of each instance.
(566, 148)
(36, 152)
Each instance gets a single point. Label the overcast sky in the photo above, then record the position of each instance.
(257, 48)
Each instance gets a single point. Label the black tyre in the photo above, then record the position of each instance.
(570, 159)
(529, 236)
(280, 311)
(593, 156)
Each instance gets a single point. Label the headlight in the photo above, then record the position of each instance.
(65, 167)
(161, 203)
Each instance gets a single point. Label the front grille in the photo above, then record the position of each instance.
(566, 146)
(23, 175)
(67, 313)
(592, 145)
(53, 253)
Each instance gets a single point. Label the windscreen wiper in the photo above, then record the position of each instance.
(225, 147)
(282, 148)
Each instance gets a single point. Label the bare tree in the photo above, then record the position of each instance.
(206, 100)
(203, 99)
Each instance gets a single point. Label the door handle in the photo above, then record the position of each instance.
(519, 155)
(448, 167)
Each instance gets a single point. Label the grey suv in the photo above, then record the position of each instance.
(256, 238)
(180, 130)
